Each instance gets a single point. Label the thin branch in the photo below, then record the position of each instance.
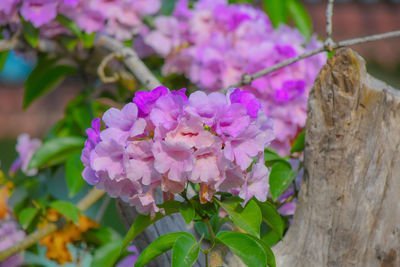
(369, 38)
(131, 60)
(102, 209)
(103, 64)
(38, 235)
(329, 13)
(247, 79)
(210, 230)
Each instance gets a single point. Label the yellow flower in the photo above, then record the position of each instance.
(57, 242)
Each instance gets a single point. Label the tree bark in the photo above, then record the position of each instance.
(348, 211)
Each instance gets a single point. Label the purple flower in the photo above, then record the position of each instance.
(166, 113)
(145, 101)
(73, 3)
(39, 12)
(145, 203)
(214, 43)
(176, 159)
(10, 235)
(209, 165)
(25, 147)
(191, 133)
(233, 120)
(90, 20)
(206, 139)
(93, 139)
(256, 183)
(7, 6)
(290, 90)
(129, 260)
(207, 107)
(247, 99)
(288, 208)
(125, 120)
(247, 145)
(108, 156)
(139, 164)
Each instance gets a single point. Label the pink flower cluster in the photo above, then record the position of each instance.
(119, 18)
(25, 147)
(164, 139)
(10, 234)
(214, 43)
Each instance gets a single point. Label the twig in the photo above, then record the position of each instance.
(38, 235)
(329, 13)
(210, 229)
(247, 79)
(368, 38)
(131, 60)
(102, 209)
(103, 65)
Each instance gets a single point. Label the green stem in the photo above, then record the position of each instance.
(210, 230)
(206, 254)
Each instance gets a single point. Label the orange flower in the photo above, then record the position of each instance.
(57, 242)
(4, 194)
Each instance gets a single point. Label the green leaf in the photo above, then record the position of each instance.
(31, 34)
(69, 42)
(82, 115)
(55, 151)
(73, 174)
(300, 17)
(3, 59)
(270, 255)
(142, 222)
(158, 247)
(107, 255)
(271, 217)
(271, 155)
(43, 78)
(271, 238)
(185, 251)
(26, 216)
(69, 24)
(67, 209)
(216, 223)
(168, 7)
(280, 178)
(100, 236)
(276, 10)
(88, 39)
(187, 211)
(298, 144)
(245, 247)
(248, 218)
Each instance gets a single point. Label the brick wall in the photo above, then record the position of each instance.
(36, 119)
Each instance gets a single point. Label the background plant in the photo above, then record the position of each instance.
(66, 44)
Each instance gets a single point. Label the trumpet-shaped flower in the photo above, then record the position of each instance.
(163, 140)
